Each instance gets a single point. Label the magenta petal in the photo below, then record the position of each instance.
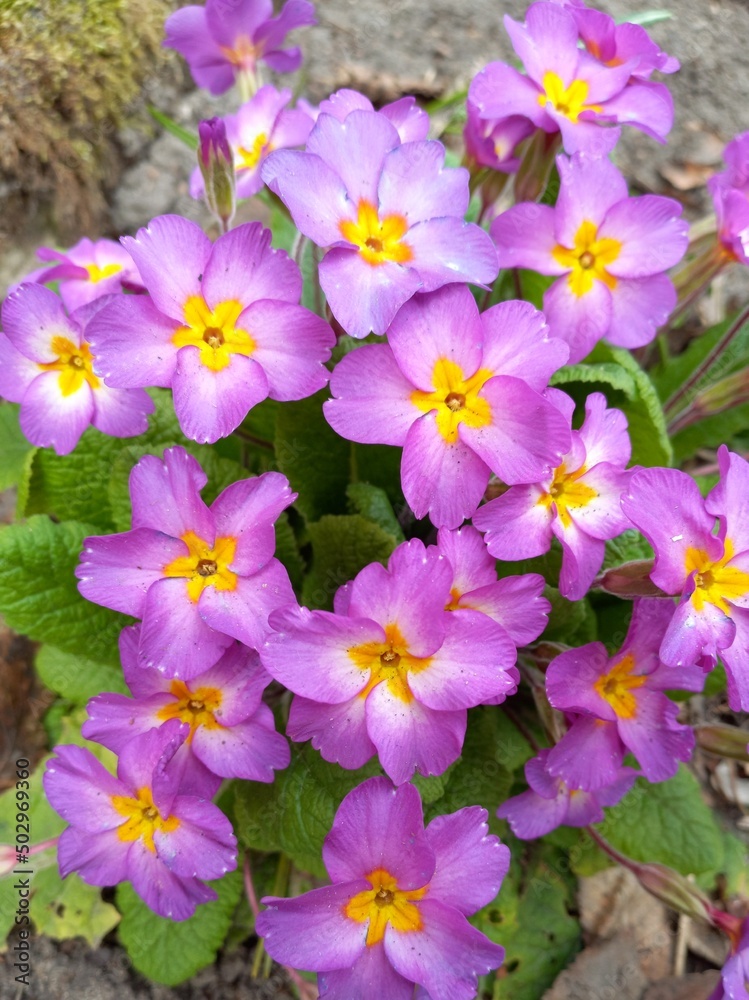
(646, 105)
(50, 419)
(517, 343)
(588, 756)
(227, 22)
(411, 737)
(416, 184)
(117, 571)
(312, 191)
(31, 316)
(202, 845)
(571, 679)
(271, 34)
(171, 255)
(166, 894)
(81, 789)
(590, 186)
(602, 515)
(98, 858)
(251, 750)
(667, 507)
(291, 346)
(363, 297)
(448, 249)
(693, 634)
(211, 404)
(187, 32)
(729, 500)
(440, 325)
(475, 663)
(308, 652)
(371, 975)
(525, 237)
(165, 495)
(547, 41)
(339, 732)
(736, 660)
(243, 612)
(527, 436)
(517, 523)
(443, 479)
(411, 593)
(469, 557)
(144, 762)
(247, 511)
(515, 603)
(379, 826)
(499, 91)
(604, 433)
(530, 815)
(372, 398)
(312, 931)
(356, 149)
(412, 123)
(471, 863)
(652, 232)
(579, 320)
(581, 560)
(121, 412)
(447, 956)
(17, 371)
(174, 638)
(132, 343)
(639, 308)
(113, 719)
(655, 738)
(242, 267)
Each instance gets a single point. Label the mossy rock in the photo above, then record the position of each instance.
(71, 72)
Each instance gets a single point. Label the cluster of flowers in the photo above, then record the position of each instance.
(410, 647)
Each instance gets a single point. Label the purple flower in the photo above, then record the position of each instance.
(734, 976)
(47, 365)
(730, 194)
(708, 571)
(408, 118)
(227, 38)
(566, 89)
(613, 44)
(610, 251)
(139, 827)
(549, 803)
(494, 143)
(197, 576)
(461, 392)
(390, 211)
(621, 705)
(395, 914)
(261, 125)
(514, 602)
(221, 326)
(87, 271)
(391, 671)
(577, 503)
(216, 170)
(232, 733)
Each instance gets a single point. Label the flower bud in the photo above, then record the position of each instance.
(629, 580)
(674, 890)
(216, 162)
(723, 741)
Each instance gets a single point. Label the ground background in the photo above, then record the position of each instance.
(386, 48)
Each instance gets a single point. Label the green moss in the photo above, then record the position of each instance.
(72, 74)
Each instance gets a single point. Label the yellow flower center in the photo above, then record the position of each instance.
(75, 365)
(455, 398)
(196, 708)
(243, 54)
(214, 332)
(617, 685)
(378, 240)
(454, 603)
(567, 493)
(388, 661)
(143, 819)
(588, 259)
(715, 582)
(568, 101)
(248, 159)
(385, 904)
(204, 566)
(96, 273)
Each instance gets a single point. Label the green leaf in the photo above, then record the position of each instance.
(373, 504)
(341, 546)
(16, 453)
(69, 908)
(315, 459)
(287, 551)
(630, 546)
(646, 18)
(647, 423)
(38, 593)
(668, 377)
(570, 622)
(76, 678)
(531, 918)
(168, 951)
(720, 428)
(605, 375)
(294, 814)
(44, 822)
(171, 126)
(669, 823)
